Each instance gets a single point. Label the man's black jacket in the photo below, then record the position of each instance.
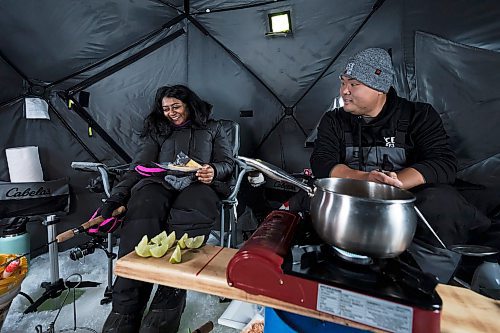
(426, 142)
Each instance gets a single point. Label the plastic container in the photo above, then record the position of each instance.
(286, 322)
(14, 239)
(10, 287)
(487, 275)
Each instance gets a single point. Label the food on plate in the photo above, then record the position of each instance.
(189, 165)
(193, 164)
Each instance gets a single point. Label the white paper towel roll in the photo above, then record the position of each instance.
(24, 164)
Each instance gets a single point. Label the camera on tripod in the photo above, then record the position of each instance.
(86, 248)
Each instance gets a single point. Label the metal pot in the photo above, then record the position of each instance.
(361, 217)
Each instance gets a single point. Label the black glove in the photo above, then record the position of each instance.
(108, 207)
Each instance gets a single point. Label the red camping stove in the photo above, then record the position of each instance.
(383, 293)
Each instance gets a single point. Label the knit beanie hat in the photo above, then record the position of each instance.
(372, 67)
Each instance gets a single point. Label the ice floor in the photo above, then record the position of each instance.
(90, 314)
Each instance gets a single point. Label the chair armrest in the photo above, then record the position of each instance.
(87, 166)
(243, 169)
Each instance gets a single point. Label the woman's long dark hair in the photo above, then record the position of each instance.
(198, 110)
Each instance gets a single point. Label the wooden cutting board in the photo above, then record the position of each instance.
(204, 270)
(466, 311)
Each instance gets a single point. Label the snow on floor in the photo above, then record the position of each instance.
(91, 314)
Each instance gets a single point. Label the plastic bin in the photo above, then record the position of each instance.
(10, 287)
(286, 322)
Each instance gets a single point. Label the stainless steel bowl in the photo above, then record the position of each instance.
(357, 216)
(363, 217)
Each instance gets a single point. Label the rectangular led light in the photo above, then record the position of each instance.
(280, 22)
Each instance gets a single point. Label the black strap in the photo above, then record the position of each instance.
(347, 130)
(402, 128)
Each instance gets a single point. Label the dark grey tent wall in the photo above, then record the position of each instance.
(382, 29)
(11, 91)
(57, 148)
(123, 120)
(287, 66)
(445, 52)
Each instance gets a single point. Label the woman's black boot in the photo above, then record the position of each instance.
(122, 323)
(165, 311)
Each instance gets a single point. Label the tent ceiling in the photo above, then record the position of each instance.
(51, 41)
(288, 66)
(120, 51)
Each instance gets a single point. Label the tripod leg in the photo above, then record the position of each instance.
(50, 223)
(52, 290)
(33, 307)
(82, 284)
(110, 261)
(108, 293)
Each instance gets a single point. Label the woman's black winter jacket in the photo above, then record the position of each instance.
(205, 145)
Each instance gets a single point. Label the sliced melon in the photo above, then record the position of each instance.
(194, 243)
(170, 240)
(143, 248)
(181, 242)
(158, 239)
(159, 251)
(176, 255)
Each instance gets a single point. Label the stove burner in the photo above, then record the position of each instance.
(352, 257)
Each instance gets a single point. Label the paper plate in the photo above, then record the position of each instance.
(180, 168)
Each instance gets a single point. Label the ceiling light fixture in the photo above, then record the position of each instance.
(280, 24)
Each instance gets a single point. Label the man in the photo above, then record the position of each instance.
(380, 137)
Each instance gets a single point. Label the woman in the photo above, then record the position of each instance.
(179, 122)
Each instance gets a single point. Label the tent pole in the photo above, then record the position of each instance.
(140, 41)
(238, 7)
(375, 7)
(72, 132)
(200, 27)
(95, 126)
(122, 64)
(14, 67)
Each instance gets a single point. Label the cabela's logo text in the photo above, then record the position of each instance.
(15, 192)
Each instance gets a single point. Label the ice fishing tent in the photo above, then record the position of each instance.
(114, 54)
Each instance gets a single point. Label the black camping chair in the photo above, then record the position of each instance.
(101, 184)
(227, 234)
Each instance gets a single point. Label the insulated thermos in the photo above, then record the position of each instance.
(14, 239)
(487, 276)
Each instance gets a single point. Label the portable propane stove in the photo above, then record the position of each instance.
(387, 294)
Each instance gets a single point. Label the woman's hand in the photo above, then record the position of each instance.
(205, 174)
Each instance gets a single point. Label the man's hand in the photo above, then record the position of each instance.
(205, 174)
(385, 177)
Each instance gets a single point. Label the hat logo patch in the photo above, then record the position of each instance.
(378, 72)
(348, 68)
